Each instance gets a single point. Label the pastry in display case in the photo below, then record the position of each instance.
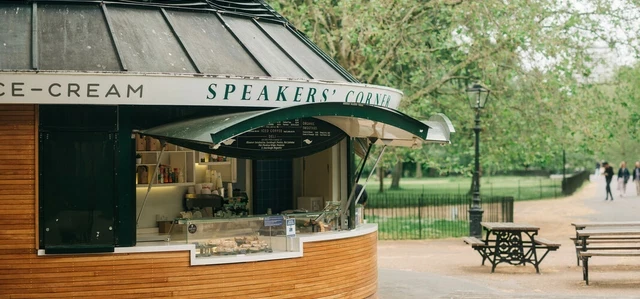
(232, 236)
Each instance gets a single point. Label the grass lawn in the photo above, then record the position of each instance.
(408, 228)
(521, 188)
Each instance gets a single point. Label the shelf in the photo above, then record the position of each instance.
(166, 184)
(215, 163)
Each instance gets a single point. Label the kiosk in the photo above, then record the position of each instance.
(156, 149)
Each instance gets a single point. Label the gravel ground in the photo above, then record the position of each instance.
(448, 268)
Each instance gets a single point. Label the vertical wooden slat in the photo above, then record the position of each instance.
(36, 205)
(17, 158)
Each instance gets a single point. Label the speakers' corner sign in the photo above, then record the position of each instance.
(189, 90)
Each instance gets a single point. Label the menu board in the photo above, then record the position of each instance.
(287, 135)
(283, 140)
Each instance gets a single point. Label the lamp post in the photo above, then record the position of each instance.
(478, 98)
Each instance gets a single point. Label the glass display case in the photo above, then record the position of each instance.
(311, 222)
(232, 236)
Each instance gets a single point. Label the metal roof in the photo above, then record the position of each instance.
(221, 37)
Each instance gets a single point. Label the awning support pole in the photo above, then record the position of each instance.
(155, 174)
(365, 182)
(362, 163)
(358, 173)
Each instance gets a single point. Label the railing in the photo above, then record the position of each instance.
(404, 216)
(573, 182)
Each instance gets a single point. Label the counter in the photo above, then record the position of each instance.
(298, 244)
(341, 264)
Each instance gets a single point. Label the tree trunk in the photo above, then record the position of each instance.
(396, 175)
(418, 171)
(381, 179)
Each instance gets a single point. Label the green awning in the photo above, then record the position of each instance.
(219, 133)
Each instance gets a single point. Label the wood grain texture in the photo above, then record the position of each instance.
(345, 268)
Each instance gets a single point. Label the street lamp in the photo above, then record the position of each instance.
(478, 98)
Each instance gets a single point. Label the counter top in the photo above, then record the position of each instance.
(296, 243)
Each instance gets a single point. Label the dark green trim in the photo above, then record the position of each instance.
(350, 178)
(78, 249)
(125, 209)
(253, 120)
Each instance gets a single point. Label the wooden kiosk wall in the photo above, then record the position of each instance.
(345, 268)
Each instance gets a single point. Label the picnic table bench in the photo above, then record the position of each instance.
(512, 243)
(612, 236)
(603, 239)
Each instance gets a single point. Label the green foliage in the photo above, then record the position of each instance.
(536, 56)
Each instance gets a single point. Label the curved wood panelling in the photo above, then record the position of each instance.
(345, 268)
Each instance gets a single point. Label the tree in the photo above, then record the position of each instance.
(536, 56)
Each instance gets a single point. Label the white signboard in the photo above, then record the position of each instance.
(188, 90)
(291, 227)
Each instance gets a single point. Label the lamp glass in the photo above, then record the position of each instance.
(478, 96)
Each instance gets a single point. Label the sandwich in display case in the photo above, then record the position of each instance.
(232, 236)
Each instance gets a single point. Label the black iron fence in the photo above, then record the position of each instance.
(573, 182)
(403, 216)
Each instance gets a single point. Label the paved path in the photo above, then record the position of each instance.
(450, 269)
(622, 208)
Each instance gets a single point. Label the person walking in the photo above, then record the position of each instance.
(623, 178)
(597, 169)
(608, 176)
(636, 177)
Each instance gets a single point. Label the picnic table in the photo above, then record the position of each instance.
(583, 225)
(611, 237)
(603, 238)
(511, 243)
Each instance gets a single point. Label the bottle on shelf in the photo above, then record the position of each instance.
(180, 176)
(165, 177)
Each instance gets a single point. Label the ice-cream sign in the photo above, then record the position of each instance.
(184, 90)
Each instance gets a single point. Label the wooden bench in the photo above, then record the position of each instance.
(478, 245)
(603, 239)
(607, 242)
(473, 241)
(547, 243)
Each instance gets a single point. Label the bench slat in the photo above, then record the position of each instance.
(608, 238)
(605, 224)
(473, 241)
(546, 242)
(610, 253)
(607, 242)
(609, 248)
(609, 232)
